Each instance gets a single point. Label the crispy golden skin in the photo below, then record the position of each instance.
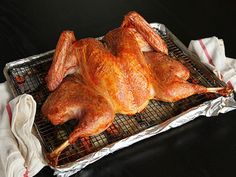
(73, 99)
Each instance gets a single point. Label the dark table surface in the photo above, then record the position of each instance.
(204, 147)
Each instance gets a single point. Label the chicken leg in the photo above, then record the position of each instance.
(169, 79)
(74, 100)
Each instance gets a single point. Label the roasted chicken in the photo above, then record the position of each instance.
(119, 74)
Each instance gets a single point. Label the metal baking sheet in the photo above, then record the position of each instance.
(28, 76)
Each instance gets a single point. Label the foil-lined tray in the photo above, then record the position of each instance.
(28, 76)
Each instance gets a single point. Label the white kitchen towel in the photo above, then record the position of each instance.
(21, 153)
(211, 52)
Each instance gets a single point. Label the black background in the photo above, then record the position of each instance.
(205, 147)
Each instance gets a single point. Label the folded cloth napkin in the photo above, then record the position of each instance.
(21, 153)
(211, 52)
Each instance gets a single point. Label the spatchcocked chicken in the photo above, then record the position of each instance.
(93, 80)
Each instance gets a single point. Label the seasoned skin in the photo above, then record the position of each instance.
(118, 72)
(75, 100)
(62, 54)
(169, 78)
(134, 87)
(164, 64)
(134, 20)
